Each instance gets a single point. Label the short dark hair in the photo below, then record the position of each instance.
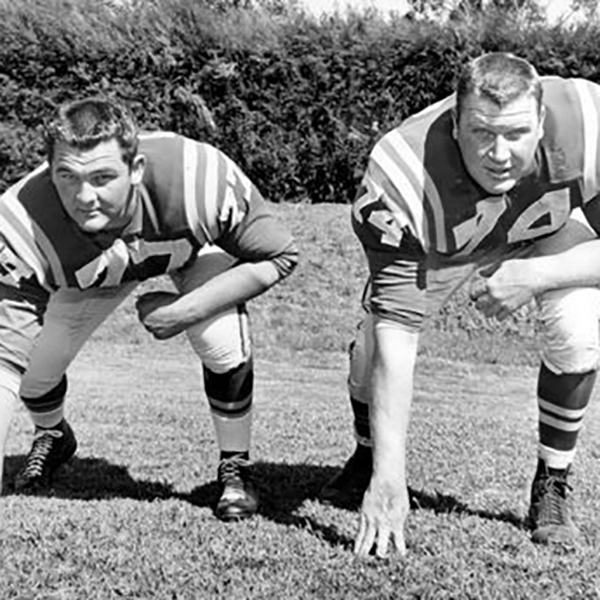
(86, 123)
(500, 77)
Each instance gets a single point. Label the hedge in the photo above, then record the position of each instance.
(297, 101)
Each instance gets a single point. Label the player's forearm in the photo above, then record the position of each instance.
(392, 388)
(228, 289)
(576, 267)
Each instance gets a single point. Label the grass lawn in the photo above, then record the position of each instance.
(131, 515)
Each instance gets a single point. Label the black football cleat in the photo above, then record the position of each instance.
(51, 448)
(549, 516)
(347, 488)
(239, 496)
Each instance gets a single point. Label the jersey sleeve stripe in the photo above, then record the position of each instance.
(589, 109)
(403, 195)
(157, 135)
(210, 188)
(427, 188)
(190, 179)
(18, 229)
(240, 183)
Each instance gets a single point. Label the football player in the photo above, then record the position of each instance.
(506, 167)
(110, 208)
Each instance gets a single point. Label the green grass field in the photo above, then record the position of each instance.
(131, 515)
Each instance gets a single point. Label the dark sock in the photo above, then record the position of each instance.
(363, 453)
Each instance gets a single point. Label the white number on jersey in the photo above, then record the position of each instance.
(550, 212)
(469, 234)
(112, 263)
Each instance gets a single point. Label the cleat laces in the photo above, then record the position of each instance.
(43, 441)
(230, 477)
(553, 490)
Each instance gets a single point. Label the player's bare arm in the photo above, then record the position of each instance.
(577, 267)
(165, 314)
(568, 259)
(385, 505)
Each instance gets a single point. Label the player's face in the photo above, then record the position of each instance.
(498, 144)
(95, 185)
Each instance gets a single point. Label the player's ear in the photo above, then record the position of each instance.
(137, 169)
(542, 122)
(454, 123)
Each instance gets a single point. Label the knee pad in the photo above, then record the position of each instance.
(231, 392)
(569, 329)
(50, 400)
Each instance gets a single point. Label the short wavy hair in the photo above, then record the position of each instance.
(500, 77)
(86, 123)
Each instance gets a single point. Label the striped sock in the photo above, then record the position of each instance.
(230, 397)
(562, 401)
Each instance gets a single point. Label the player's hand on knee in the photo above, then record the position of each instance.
(382, 516)
(156, 314)
(500, 290)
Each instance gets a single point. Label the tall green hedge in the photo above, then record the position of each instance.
(297, 101)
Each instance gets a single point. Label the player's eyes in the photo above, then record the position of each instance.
(483, 135)
(66, 176)
(100, 180)
(513, 136)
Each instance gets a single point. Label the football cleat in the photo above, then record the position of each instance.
(239, 496)
(50, 449)
(549, 516)
(348, 487)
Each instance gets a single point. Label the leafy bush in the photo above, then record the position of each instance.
(297, 101)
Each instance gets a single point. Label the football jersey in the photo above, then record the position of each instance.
(417, 186)
(191, 195)
(418, 205)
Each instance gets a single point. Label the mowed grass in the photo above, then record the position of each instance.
(131, 515)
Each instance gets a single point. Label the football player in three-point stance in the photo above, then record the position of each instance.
(112, 208)
(506, 167)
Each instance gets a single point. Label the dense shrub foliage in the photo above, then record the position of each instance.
(297, 101)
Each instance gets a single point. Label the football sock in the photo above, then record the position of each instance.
(230, 399)
(362, 429)
(47, 411)
(562, 401)
(363, 453)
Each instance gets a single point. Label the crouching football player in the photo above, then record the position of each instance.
(498, 170)
(113, 207)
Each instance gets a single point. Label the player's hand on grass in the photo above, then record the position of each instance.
(156, 314)
(499, 290)
(382, 516)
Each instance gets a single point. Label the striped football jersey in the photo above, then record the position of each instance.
(417, 197)
(191, 195)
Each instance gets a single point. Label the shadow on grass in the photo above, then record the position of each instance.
(283, 489)
(92, 479)
(443, 504)
(446, 504)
